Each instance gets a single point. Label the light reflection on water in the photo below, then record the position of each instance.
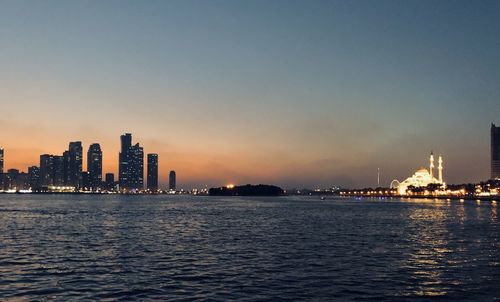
(169, 247)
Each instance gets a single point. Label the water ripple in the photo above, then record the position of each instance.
(250, 249)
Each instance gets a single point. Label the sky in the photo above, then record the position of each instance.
(293, 93)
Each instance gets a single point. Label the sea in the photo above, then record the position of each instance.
(200, 248)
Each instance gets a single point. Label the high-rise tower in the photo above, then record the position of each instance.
(136, 168)
(131, 164)
(74, 170)
(1, 160)
(152, 172)
(495, 152)
(126, 143)
(172, 181)
(46, 170)
(94, 166)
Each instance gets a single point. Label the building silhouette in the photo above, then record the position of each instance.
(58, 170)
(1, 160)
(110, 181)
(46, 170)
(152, 180)
(34, 177)
(94, 166)
(136, 167)
(495, 152)
(66, 167)
(172, 181)
(123, 158)
(74, 169)
(85, 181)
(131, 164)
(15, 180)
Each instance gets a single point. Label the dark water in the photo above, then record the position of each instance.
(200, 248)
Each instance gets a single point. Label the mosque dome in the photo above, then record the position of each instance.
(422, 170)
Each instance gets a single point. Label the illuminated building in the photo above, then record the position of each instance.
(123, 164)
(16, 181)
(46, 170)
(85, 181)
(131, 164)
(421, 178)
(495, 152)
(58, 170)
(152, 181)
(34, 177)
(172, 181)
(52, 170)
(66, 166)
(1, 160)
(2, 176)
(94, 166)
(136, 167)
(74, 170)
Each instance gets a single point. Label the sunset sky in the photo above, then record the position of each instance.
(294, 93)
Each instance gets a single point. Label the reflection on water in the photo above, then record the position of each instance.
(426, 261)
(173, 247)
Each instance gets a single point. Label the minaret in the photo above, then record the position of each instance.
(440, 169)
(431, 168)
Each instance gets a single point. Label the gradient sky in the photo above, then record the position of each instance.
(295, 93)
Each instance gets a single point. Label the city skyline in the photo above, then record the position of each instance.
(289, 93)
(66, 172)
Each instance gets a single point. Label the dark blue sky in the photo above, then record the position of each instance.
(290, 92)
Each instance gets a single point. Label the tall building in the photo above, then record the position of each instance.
(34, 177)
(75, 153)
(131, 164)
(110, 181)
(1, 160)
(46, 170)
(58, 170)
(85, 181)
(123, 157)
(52, 170)
(94, 166)
(66, 167)
(16, 180)
(495, 152)
(152, 181)
(172, 181)
(136, 167)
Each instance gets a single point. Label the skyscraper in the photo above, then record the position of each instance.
(66, 167)
(1, 160)
(75, 153)
(46, 170)
(85, 181)
(34, 177)
(123, 158)
(172, 181)
(110, 181)
(58, 170)
(152, 172)
(495, 152)
(131, 164)
(136, 167)
(94, 166)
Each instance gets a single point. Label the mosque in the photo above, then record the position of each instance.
(421, 178)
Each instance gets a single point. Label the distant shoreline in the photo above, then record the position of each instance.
(442, 197)
(368, 197)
